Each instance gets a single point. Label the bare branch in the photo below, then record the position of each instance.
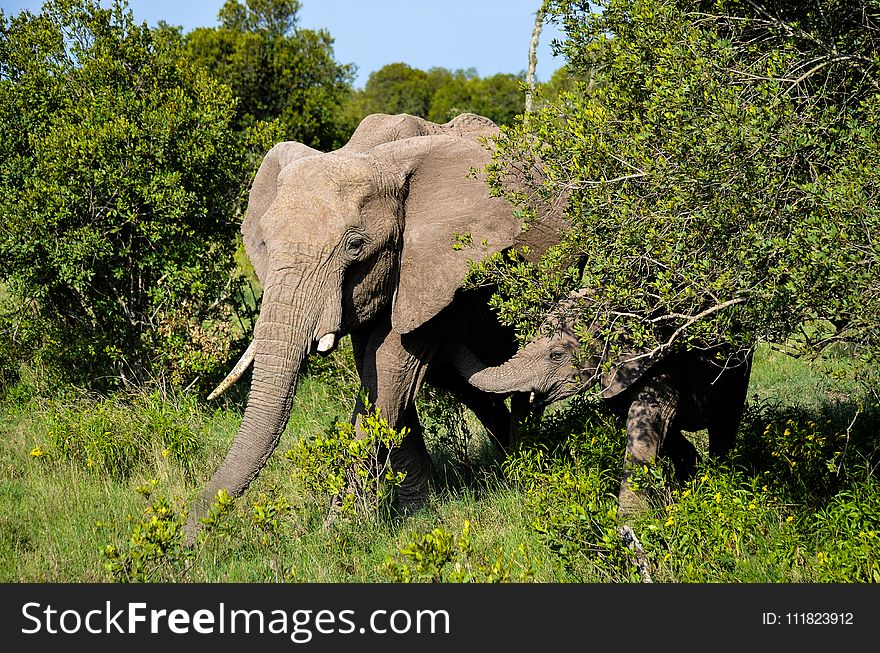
(533, 57)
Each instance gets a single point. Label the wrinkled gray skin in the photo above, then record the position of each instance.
(360, 241)
(656, 398)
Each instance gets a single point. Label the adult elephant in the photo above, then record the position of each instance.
(655, 397)
(368, 240)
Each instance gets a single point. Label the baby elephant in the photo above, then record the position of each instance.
(656, 397)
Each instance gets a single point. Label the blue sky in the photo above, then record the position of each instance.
(489, 35)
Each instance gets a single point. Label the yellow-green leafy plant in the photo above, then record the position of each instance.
(350, 469)
(117, 435)
(441, 557)
(154, 550)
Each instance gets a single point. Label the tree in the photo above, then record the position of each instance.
(438, 94)
(119, 180)
(719, 160)
(453, 94)
(499, 97)
(277, 70)
(399, 88)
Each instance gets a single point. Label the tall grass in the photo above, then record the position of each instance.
(95, 489)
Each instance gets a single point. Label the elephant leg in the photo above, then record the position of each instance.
(492, 413)
(722, 439)
(413, 458)
(727, 409)
(681, 452)
(393, 369)
(648, 420)
(489, 408)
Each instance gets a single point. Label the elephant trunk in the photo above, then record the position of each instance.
(511, 376)
(283, 337)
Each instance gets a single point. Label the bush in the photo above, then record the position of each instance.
(21, 330)
(722, 526)
(441, 557)
(718, 168)
(847, 533)
(154, 548)
(120, 183)
(569, 469)
(351, 473)
(809, 454)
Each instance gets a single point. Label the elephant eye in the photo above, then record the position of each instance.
(557, 356)
(356, 244)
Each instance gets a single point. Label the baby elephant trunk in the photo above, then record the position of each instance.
(511, 376)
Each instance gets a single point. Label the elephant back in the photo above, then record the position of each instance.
(379, 128)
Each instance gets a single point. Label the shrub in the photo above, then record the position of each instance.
(720, 185)
(120, 182)
(154, 549)
(722, 526)
(352, 473)
(809, 454)
(569, 469)
(116, 436)
(847, 533)
(440, 557)
(19, 336)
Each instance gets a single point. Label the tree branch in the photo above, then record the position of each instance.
(533, 57)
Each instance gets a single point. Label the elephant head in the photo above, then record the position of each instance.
(655, 394)
(555, 364)
(338, 238)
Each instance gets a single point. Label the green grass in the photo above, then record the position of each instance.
(799, 502)
(779, 378)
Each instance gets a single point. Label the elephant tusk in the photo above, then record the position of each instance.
(244, 362)
(326, 342)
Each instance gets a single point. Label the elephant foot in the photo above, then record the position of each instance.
(631, 504)
(412, 502)
(415, 491)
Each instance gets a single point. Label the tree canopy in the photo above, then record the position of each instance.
(119, 180)
(276, 69)
(719, 160)
(438, 94)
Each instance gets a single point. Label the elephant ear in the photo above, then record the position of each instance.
(449, 220)
(261, 197)
(625, 372)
